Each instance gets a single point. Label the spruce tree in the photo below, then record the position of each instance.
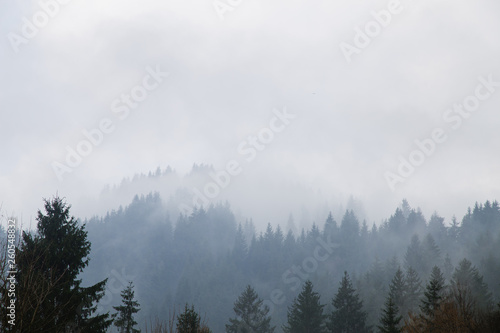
(414, 256)
(433, 294)
(251, 315)
(348, 316)
(306, 313)
(50, 295)
(397, 290)
(125, 315)
(189, 321)
(467, 276)
(413, 291)
(389, 322)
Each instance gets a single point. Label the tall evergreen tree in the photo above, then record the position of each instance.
(467, 276)
(331, 228)
(306, 313)
(431, 253)
(189, 321)
(433, 294)
(389, 321)
(414, 254)
(48, 265)
(348, 315)
(413, 291)
(251, 315)
(397, 290)
(240, 249)
(125, 315)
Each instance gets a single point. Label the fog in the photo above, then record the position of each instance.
(284, 111)
(353, 119)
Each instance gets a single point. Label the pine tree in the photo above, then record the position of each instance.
(125, 315)
(50, 295)
(397, 290)
(414, 254)
(240, 249)
(251, 315)
(413, 290)
(389, 322)
(306, 313)
(330, 229)
(189, 321)
(467, 276)
(348, 316)
(431, 252)
(433, 294)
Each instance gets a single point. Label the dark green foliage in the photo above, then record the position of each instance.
(348, 315)
(124, 318)
(433, 293)
(306, 313)
(251, 315)
(50, 296)
(389, 321)
(189, 321)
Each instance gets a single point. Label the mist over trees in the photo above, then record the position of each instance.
(208, 258)
(407, 274)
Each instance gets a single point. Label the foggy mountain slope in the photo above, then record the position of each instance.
(207, 258)
(272, 200)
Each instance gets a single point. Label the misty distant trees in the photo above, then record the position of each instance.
(434, 276)
(208, 257)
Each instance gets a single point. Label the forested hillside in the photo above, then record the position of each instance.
(207, 259)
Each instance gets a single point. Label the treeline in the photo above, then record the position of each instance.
(407, 274)
(207, 258)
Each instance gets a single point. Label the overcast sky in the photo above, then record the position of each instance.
(228, 69)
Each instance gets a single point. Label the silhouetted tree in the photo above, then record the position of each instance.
(48, 265)
(306, 313)
(251, 315)
(413, 291)
(397, 290)
(433, 292)
(125, 316)
(189, 321)
(389, 321)
(348, 315)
